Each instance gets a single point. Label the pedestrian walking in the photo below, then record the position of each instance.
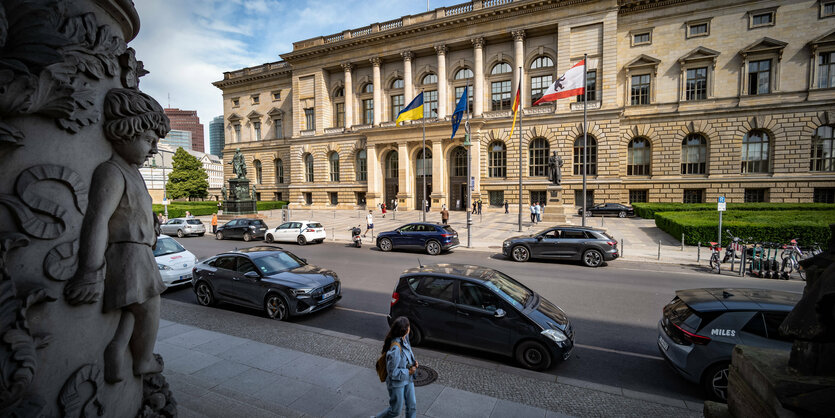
(383, 209)
(505, 207)
(369, 223)
(479, 206)
(475, 207)
(538, 212)
(400, 367)
(444, 216)
(189, 215)
(533, 213)
(214, 223)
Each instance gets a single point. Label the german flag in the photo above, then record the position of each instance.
(516, 101)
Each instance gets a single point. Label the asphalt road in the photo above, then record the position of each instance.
(615, 309)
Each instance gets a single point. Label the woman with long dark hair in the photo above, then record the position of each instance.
(401, 366)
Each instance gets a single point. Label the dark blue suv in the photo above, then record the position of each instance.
(430, 237)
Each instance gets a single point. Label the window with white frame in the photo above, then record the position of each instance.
(539, 84)
(459, 91)
(639, 89)
(580, 155)
(826, 69)
(696, 84)
(397, 103)
(333, 163)
(501, 68)
(823, 149)
(362, 166)
(497, 159)
(256, 128)
(430, 97)
(759, 77)
(639, 157)
(279, 171)
(538, 151)
(396, 99)
(258, 172)
(308, 168)
(368, 111)
(755, 152)
(500, 95)
(694, 154)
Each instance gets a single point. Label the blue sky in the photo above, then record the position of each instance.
(188, 44)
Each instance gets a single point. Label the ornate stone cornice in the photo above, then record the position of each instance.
(347, 67)
(407, 55)
(478, 42)
(518, 35)
(441, 49)
(376, 61)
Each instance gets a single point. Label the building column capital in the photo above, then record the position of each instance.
(376, 61)
(441, 49)
(478, 42)
(347, 67)
(518, 35)
(407, 55)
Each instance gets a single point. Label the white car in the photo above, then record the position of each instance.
(173, 261)
(183, 227)
(300, 232)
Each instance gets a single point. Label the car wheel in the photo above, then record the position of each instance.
(301, 240)
(433, 248)
(715, 382)
(415, 336)
(621, 214)
(247, 237)
(275, 307)
(219, 235)
(204, 294)
(592, 258)
(180, 233)
(520, 253)
(269, 238)
(385, 244)
(533, 355)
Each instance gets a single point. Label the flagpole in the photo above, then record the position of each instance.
(469, 174)
(423, 162)
(519, 87)
(585, 134)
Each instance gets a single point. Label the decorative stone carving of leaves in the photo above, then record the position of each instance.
(70, 397)
(94, 49)
(61, 261)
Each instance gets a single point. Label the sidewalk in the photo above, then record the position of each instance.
(273, 369)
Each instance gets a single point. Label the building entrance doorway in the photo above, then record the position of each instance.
(458, 179)
(423, 163)
(392, 179)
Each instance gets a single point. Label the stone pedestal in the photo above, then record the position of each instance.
(241, 201)
(555, 211)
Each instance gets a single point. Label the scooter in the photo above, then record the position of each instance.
(355, 236)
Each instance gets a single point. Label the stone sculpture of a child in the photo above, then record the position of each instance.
(116, 260)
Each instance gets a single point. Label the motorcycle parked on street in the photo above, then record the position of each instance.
(355, 236)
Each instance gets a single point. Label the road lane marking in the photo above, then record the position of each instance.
(359, 311)
(626, 353)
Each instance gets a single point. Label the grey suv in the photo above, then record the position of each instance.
(700, 327)
(592, 246)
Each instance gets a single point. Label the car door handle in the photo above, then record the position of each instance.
(422, 303)
(460, 312)
(236, 278)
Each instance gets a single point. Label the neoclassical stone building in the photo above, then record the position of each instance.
(688, 100)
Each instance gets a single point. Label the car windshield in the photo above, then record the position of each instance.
(510, 290)
(194, 222)
(167, 246)
(278, 262)
(314, 225)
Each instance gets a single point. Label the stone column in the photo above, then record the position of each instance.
(441, 50)
(439, 179)
(405, 177)
(478, 81)
(408, 84)
(519, 61)
(375, 175)
(349, 94)
(475, 162)
(375, 63)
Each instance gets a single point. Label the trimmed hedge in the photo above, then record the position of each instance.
(808, 226)
(206, 207)
(648, 210)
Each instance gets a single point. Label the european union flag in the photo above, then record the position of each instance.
(459, 111)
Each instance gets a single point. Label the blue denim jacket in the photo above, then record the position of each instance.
(398, 361)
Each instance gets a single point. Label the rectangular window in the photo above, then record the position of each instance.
(276, 96)
(277, 196)
(826, 69)
(697, 29)
(496, 197)
(539, 196)
(641, 38)
(279, 129)
(308, 198)
(256, 126)
(591, 86)
(430, 104)
(694, 196)
(339, 111)
(334, 198)
(309, 119)
(696, 88)
(828, 9)
(638, 196)
(500, 95)
(255, 99)
(578, 198)
(639, 92)
(759, 77)
(368, 111)
(824, 195)
(458, 92)
(396, 105)
(236, 102)
(360, 197)
(237, 133)
(755, 195)
(762, 19)
(539, 85)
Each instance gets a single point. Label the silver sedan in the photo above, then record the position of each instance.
(183, 226)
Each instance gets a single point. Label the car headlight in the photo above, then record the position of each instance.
(163, 267)
(505, 244)
(252, 227)
(554, 335)
(195, 260)
(299, 292)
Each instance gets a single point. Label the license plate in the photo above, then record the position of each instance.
(663, 344)
(262, 229)
(185, 276)
(329, 294)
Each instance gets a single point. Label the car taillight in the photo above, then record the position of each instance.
(446, 235)
(394, 298)
(612, 243)
(309, 230)
(693, 338)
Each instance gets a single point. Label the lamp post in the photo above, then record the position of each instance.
(164, 190)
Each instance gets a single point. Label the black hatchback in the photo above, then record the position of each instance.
(267, 278)
(613, 209)
(482, 309)
(248, 229)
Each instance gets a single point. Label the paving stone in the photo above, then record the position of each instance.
(367, 385)
(194, 338)
(172, 331)
(353, 406)
(458, 403)
(318, 402)
(191, 363)
(505, 408)
(246, 352)
(219, 372)
(250, 381)
(284, 391)
(220, 345)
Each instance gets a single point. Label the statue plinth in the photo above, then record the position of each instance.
(554, 211)
(240, 201)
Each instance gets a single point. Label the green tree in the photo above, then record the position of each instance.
(188, 179)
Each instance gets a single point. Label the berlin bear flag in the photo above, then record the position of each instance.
(569, 84)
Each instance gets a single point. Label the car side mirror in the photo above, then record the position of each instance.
(500, 313)
(304, 260)
(398, 232)
(252, 275)
(539, 237)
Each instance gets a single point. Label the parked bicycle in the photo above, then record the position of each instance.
(715, 262)
(791, 255)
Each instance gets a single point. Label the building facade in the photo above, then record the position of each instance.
(687, 101)
(177, 138)
(216, 136)
(187, 120)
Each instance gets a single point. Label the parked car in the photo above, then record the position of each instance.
(173, 261)
(267, 278)
(248, 229)
(432, 238)
(482, 309)
(300, 232)
(700, 327)
(182, 227)
(592, 246)
(614, 209)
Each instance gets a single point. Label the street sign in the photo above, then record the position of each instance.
(165, 202)
(721, 206)
(472, 183)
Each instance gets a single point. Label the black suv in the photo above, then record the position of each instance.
(248, 229)
(483, 309)
(592, 246)
(614, 209)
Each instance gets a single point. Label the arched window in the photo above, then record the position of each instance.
(308, 168)
(579, 155)
(279, 171)
(501, 68)
(430, 79)
(368, 88)
(459, 162)
(397, 83)
(497, 159)
(755, 151)
(391, 165)
(423, 162)
(538, 152)
(362, 166)
(823, 149)
(463, 74)
(542, 62)
(339, 92)
(638, 157)
(694, 154)
(258, 171)
(333, 163)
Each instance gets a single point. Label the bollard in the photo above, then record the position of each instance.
(601, 221)
(699, 252)
(733, 259)
(621, 247)
(742, 263)
(682, 241)
(659, 249)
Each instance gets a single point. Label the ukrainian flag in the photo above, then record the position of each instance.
(413, 111)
